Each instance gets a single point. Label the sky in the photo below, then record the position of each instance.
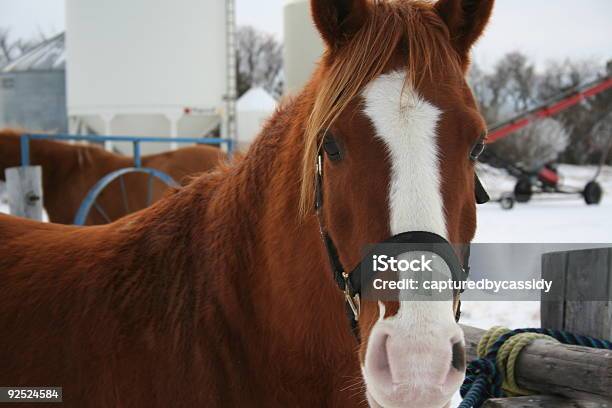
(543, 29)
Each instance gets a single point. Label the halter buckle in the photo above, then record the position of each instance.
(354, 301)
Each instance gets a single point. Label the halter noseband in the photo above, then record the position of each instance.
(350, 282)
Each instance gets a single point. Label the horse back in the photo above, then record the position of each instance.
(186, 162)
(50, 319)
(77, 311)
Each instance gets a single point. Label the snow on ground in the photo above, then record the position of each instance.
(4, 207)
(3, 199)
(547, 219)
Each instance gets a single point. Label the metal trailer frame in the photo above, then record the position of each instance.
(592, 191)
(89, 201)
(558, 103)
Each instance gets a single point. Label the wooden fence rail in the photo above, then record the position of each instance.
(540, 401)
(552, 368)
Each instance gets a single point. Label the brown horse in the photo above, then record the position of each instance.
(70, 170)
(221, 294)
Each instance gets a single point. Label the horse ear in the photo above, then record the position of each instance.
(466, 20)
(338, 20)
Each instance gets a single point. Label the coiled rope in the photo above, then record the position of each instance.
(493, 374)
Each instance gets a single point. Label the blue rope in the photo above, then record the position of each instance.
(483, 380)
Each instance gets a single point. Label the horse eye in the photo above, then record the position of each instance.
(477, 149)
(332, 149)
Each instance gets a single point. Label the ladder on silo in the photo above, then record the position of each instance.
(230, 119)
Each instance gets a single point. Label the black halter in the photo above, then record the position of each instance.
(350, 282)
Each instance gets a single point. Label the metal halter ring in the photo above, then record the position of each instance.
(354, 301)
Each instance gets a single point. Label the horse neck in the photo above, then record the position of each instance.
(278, 270)
(226, 264)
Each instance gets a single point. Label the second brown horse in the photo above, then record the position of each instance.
(71, 170)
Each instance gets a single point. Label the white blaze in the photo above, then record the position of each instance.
(407, 123)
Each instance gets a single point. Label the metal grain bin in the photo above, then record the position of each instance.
(33, 89)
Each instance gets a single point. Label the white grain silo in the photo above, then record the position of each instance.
(302, 44)
(148, 67)
(33, 89)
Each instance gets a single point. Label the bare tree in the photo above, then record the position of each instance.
(10, 50)
(509, 88)
(6, 47)
(489, 91)
(602, 140)
(582, 120)
(514, 86)
(259, 61)
(518, 75)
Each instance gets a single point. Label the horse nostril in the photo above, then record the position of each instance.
(458, 361)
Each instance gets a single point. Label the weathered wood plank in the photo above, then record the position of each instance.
(24, 188)
(540, 401)
(580, 298)
(552, 368)
(552, 304)
(571, 371)
(588, 305)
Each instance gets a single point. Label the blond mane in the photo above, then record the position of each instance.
(345, 72)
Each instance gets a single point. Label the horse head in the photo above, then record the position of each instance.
(390, 147)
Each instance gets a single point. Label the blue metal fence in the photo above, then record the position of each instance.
(135, 140)
(90, 200)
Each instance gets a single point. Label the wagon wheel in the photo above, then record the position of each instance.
(91, 202)
(523, 190)
(592, 193)
(507, 201)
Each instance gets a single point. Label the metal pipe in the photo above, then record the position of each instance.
(137, 159)
(25, 150)
(100, 139)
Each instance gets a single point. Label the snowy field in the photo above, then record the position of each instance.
(3, 198)
(547, 219)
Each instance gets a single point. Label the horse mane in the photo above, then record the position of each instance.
(343, 73)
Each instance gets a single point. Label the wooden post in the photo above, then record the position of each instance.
(24, 187)
(539, 401)
(581, 294)
(552, 368)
